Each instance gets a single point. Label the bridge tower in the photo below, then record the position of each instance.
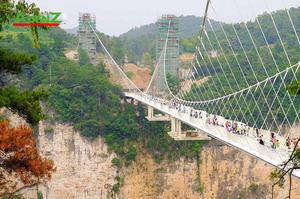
(87, 38)
(172, 56)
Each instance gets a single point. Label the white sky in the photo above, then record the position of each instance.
(115, 17)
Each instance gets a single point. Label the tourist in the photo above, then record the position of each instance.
(288, 142)
(227, 126)
(238, 129)
(200, 115)
(273, 140)
(235, 128)
(196, 114)
(257, 132)
(277, 144)
(272, 135)
(215, 120)
(232, 127)
(261, 141)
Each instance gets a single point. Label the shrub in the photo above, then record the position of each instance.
(131, 154)
(49, 130)
(253, 188)
(116, 162)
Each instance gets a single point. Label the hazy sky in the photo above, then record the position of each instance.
(115, 17)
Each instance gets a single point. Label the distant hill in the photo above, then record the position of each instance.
(188, 27)
(142, 39)
(72, 31)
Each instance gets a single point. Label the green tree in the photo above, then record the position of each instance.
(173, 82)
(294, 88)
(116, 162)
(26, 104)
(117, 50)
(131, 154)
(83, 57)
(147, 60)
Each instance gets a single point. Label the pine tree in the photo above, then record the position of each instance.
(25, 103)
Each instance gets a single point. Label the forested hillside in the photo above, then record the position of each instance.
(247, 53)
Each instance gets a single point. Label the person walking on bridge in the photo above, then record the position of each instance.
(257, 132)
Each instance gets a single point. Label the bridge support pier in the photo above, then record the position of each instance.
(175, 127)
(178, 134)
(150, 112)
(156, 118)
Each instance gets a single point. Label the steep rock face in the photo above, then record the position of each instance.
(148, 180)
(224, 172)
(84, 167)
(84, 171)
(227, 172)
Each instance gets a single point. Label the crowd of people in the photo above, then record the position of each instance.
(234, 127)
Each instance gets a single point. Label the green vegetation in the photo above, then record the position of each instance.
(49, 130)
(83, 57)
(39, 195)
(129, 74)
(141, 40)
(116, 162)
(147, 60)
(174, 83)
(253, 188)
(188, 44)
(294, 88)
(115, 46)
(25, 103)
(226, 72)
(117, 185)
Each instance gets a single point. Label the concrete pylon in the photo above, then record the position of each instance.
(177, 134)
(150, 112)
(175, 127)
(156, 118)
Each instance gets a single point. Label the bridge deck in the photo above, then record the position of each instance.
(248, 144)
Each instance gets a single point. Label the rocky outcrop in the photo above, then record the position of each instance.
(148, 180)
(83, 166)
(227, 172)
(224, 172)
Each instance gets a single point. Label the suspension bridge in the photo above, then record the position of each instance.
(244, 103)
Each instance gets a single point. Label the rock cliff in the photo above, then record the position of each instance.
(84, 171)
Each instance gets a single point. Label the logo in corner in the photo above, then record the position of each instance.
(48, 19)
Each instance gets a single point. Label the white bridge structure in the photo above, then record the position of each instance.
(243, 102)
